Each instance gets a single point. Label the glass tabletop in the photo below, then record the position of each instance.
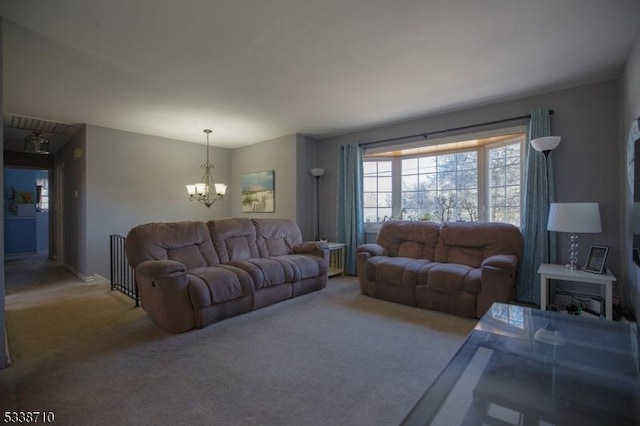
(526, 366)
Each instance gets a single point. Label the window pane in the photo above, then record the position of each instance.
(410, 183)
(384, 213)
(370, 215)
(446, 163)
(370, 184)
(409, 166)
(384, 184)
(370, 199)
(369, 168)
(428, 164)
(384, 168)
(384, 199)
(468, 179)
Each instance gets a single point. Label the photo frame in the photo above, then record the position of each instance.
(258, 192)
(596, 259)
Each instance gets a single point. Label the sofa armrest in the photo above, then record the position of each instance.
(501, 261)
(153, 269)
(163, 286)
(498, 278)
(315, 248)
(372, 249)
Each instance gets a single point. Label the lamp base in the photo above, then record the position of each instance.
(572, 267)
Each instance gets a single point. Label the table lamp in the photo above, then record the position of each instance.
(574, 218)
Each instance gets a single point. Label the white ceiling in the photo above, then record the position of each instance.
(255, 69)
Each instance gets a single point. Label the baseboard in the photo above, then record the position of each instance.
(83, 277)
(86, 278)
(98, 277)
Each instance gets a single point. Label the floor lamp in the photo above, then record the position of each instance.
(317, 172)
(545, 145)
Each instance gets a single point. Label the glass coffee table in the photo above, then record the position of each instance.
(524, 366)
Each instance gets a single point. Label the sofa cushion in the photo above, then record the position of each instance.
(448, 277)
(233, 238)
(401, 271)
(417, 272)
(265, 272)
(469, 243)
(276, 237)
(211, 285)
(303, 266)
(415, 239)
(186, 242)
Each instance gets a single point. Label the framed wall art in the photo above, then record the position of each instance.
(258, 192)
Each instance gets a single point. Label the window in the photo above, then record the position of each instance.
(377, 190)
(42, 195)
(470, 180)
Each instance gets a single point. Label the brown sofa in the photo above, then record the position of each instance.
(192, 274)
(456, 267)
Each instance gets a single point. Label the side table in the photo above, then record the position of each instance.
(559, 272)
(336, 258)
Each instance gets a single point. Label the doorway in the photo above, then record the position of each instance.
(26, 211)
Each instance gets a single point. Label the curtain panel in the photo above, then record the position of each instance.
(539, 244)
(349, 220)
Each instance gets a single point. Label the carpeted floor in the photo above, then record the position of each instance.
(333, 357)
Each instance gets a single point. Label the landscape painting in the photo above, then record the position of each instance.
(258, 192)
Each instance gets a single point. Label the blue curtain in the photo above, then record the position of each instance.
(537, 240)
(349, 220)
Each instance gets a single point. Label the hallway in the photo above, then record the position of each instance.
(36, 277)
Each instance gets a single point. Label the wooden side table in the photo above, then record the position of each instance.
(559, 272)
(336, 258)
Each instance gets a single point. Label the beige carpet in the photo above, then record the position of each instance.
(333, 357)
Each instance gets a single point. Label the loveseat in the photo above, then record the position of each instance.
(455, 267)
(192, 274)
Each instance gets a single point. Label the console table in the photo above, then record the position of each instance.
(526, 366)
(559, 272)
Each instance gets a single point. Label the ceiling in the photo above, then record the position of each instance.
(253, 70)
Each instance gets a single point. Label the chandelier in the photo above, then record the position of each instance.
(202, 191)
(36, 144)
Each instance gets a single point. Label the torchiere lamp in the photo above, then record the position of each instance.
(317, 172)
(545, 145)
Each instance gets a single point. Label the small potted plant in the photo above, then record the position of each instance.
(426, 216)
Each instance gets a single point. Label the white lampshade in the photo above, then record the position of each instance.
(202, 188)
(221, 188)
(317, 172)
(574, 218)
(547, 143)
(191, 189)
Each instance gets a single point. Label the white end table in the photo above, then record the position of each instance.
(336, 258)
(559, 272)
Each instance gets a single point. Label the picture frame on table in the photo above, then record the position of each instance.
(597, 259)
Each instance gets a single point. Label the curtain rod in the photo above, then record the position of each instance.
(425, 135)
